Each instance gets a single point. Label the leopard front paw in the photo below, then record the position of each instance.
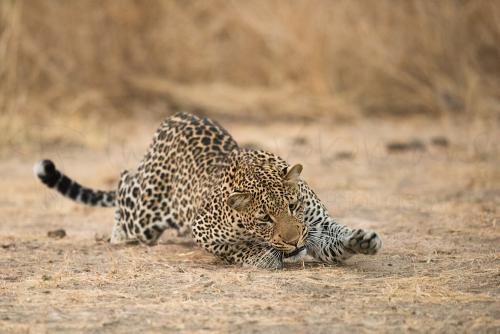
(363, 242)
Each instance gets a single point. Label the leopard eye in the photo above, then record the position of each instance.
(265, 219)
(293, 206)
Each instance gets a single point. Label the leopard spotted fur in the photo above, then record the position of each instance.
(245, 206)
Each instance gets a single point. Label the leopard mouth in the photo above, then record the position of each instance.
(295, 252)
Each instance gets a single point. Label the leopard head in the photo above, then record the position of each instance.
(266, 196)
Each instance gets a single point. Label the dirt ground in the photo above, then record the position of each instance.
(430, 188)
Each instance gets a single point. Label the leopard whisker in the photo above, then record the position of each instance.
(261, 259)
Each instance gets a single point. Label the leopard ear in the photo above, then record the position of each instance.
(293, 174)
(239, 200)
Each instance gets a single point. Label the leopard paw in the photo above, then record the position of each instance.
(363, 242)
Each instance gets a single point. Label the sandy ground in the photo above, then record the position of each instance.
(436, 208)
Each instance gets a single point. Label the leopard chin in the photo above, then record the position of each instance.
(295, 256)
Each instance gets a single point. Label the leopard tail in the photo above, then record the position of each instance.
(47, 172)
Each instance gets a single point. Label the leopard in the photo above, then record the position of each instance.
(246, 206)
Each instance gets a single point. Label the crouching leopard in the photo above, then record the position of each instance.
(245, 206)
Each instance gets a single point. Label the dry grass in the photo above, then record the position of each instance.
(84, 82)
(437, 211)
(95, 59)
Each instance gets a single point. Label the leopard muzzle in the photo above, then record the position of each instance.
(289, 235)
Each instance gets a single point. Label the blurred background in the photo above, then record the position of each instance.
(393, 108)
(84, 65)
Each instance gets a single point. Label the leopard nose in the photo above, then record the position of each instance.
(287, 232)
(290, 237)
(292, 242)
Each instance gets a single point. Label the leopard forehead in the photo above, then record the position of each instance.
(263, 175)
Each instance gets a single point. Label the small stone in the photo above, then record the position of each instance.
(412, 145)
(299, 141)
(57, 234)
(344, 155)
(440, 141)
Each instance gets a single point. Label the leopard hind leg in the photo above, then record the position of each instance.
(123, 226)
(120, 234)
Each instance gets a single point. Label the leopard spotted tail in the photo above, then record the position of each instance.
(47, 172)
